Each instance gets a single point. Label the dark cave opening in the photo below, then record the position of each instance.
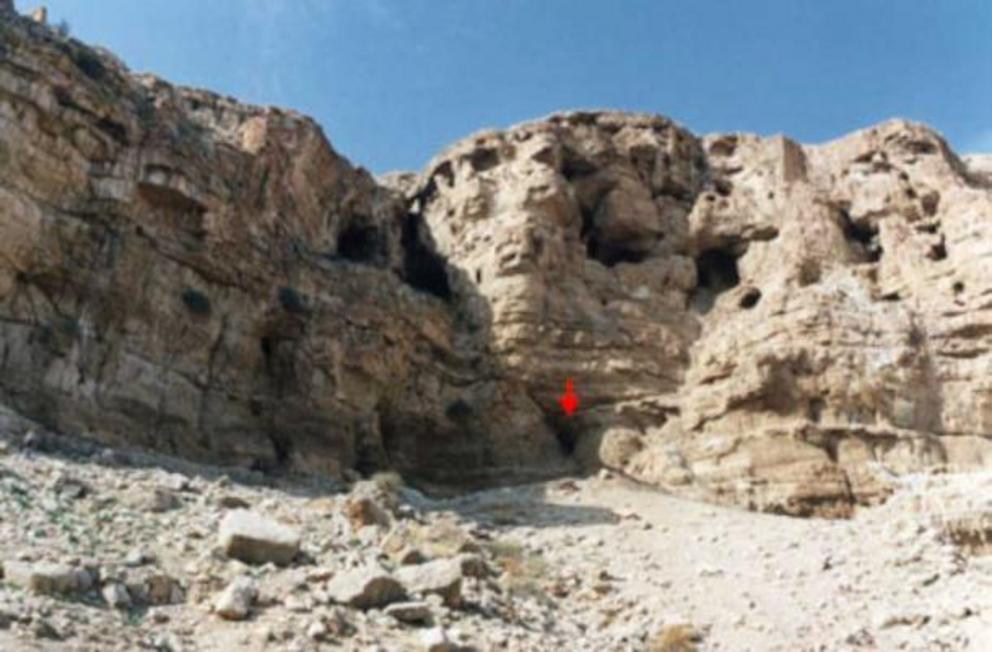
(716, 272)
(864, 237)
(423, 269)
(611, 254)
(567, 440)
(608, 253)
(565, 431)
(358, 243)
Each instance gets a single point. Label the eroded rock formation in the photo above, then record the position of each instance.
(746, 319)
(183, 272)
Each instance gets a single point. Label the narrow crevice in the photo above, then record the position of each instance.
(423, 268)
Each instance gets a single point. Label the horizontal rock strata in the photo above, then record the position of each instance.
(746, 319)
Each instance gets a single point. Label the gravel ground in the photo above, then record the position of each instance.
(113, 550)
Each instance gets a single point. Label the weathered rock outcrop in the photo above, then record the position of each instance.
(749, 319)
(746, 319)
(186, 273)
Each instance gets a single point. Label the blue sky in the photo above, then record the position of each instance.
(394, 81)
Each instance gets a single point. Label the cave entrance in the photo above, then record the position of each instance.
(606, 251)
(423, 269)
(358, 243)
(611, 254)
(864, 238)
(716, 272)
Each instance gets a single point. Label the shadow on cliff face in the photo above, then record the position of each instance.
(481, 429)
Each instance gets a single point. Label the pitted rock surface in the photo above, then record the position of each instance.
(750, 320)
(185, 273)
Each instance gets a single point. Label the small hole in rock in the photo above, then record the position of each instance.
(723, 187)
(750, 298)
(937, 251)
(458, 410)
(292, 301)
(814, 411)
(196, 302)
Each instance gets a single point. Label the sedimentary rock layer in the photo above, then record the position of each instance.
(187, 273)
(746, 319)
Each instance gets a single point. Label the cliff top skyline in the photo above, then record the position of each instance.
(394, 82)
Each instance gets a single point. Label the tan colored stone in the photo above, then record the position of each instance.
(441, 577)
(235, 601)
(48, 578)
(256, 539)
(365, 588)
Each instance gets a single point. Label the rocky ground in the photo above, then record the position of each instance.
(113, 550)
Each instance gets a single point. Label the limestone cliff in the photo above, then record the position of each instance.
(746, 319)
(187, 273)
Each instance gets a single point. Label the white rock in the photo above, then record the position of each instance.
(116, 596)
(436, 640)
(234, 602)
(317, 630)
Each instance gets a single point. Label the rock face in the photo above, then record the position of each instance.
(185, 273)
(746, 319)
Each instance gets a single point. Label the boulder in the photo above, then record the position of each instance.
(256, 539)
(442, 577)
(365, 588)
(235, 601)
(47, 578)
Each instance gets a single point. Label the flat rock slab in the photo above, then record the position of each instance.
(409, 612)
(256, 539)
(365, 588)
(442, 577)
(43, 577)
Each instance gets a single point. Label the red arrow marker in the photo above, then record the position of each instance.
(569, 401)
